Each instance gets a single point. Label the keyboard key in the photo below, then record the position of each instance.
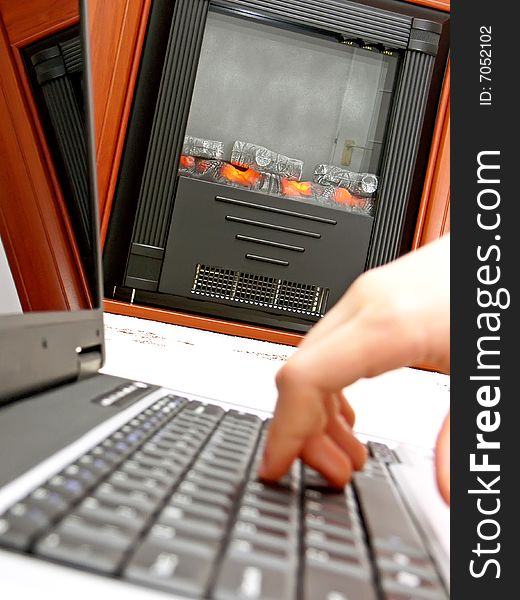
(411, 596)
(382, 452)
(321, 584)
(70, 548)
(272, 492)
(212, 452)
(266, 535)
(235, 467)
(21, 524)
(313, 479)
(253, 515)
(203, 528)
(348, 525)
(204, 482)
(254, 581)
(406, 585)
(97, 465)
(242, 417)
(394, 561)
(51, 503)
(152, 487)
(267, 507)
(246, 550)
(113, 513)
(425, 570)
(172, 571)
(68, 487)
(88, 529)
(217, 499)
(388, 522)
(193, 508)
(338, 562)
(220, 474)
(175, 538)
(333, 543)
(331, 526)
(137, 499)
(147, 460)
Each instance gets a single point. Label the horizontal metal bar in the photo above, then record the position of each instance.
(148, 251)
(311, 234)
(247, 238)
(142, 284)
(280, 211)
(266, 259)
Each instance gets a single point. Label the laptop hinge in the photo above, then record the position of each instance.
(89, 361)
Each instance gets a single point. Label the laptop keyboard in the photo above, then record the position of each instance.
(171, 501)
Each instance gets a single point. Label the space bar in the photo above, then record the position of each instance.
(386, 518)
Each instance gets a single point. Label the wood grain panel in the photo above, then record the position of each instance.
(117, 31)
(205, 323)
(29, 20)
(433, 219)
(438, 4)
(33, 228)
(437, 215)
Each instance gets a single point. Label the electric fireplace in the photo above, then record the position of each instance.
(276, 150)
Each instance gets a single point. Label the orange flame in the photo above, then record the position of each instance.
(247, 177)
(343, 196)
(296, 188)
(188, 162)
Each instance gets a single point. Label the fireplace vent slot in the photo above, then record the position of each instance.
(259, 290)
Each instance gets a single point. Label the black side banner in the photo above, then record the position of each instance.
(485, 178)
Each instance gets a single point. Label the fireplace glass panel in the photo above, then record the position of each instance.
(289, 112)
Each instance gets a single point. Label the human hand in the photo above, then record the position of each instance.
(392, 316)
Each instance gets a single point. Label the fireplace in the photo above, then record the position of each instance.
(275, 152)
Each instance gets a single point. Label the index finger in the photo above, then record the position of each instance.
(360, 348)
(299, 413)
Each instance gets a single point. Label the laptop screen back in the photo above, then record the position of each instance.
(50, 290)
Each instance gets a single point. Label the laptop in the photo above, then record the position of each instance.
(114, 488)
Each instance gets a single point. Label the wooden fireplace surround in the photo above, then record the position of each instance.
(34, 218)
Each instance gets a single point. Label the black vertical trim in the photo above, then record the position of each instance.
(72, 55)
(67, 122)
(178, 78)
(156, 196)
(55, 67)
(124, 207)
(400, 157)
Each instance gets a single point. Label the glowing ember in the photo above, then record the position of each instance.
(296, 188)
(343, 196)
(246, 177)
(188, 162)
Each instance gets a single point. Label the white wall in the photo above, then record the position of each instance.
(9, 302)
(294, 93)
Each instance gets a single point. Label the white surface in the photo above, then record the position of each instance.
(405, 405)
(9, 302)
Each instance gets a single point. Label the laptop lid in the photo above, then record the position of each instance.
(51, 325)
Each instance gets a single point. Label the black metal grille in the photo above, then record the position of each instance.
(259, 290)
